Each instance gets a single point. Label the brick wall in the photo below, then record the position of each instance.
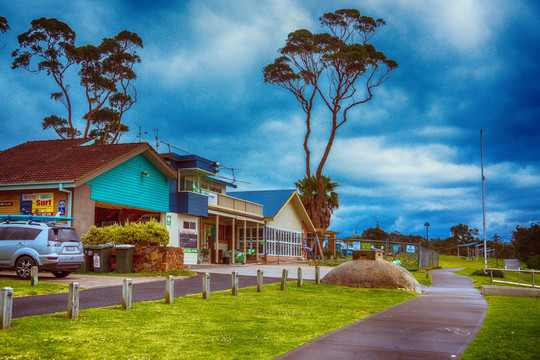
(14, 197)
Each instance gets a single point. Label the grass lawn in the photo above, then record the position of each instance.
(248, 326)
(469, 267)
(511, 330)
(23, 287)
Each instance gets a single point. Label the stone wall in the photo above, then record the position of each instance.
(157, 259)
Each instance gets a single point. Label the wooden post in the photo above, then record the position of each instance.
(532, 279)
(259, 280)
(34, 276)
(127, 292)
(233, 258)
(234, 284)
(216, 240)
(300, 281)
(491, 275)
(317, 274)
(258, 242)
(245, 241)
(6, 307)
(284, 279)
(206, 286)
(73, 301)
(169, 290)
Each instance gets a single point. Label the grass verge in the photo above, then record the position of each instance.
(511, 330)
(23, 287)
(248, 326)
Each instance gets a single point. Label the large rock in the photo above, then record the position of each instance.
(372, 274)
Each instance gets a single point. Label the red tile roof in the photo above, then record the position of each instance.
(58, 160)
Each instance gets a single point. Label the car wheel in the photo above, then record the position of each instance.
(61, 274)
(23, 266)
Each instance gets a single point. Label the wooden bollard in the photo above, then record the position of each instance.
(317, 274)
(34, 276)
(299, 281)
(6, 307)
(127, 294)
(206, 286)
(169, 290)
(234, 284)
(73, 301)
(284, 279)
(259, 280)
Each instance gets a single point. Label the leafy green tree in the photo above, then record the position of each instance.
(105, 71)
(3, 24)
(526, 241)
(375, 233)
(49, 46)
(340, 67)
(330, 198)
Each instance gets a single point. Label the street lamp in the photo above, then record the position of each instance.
(427, 233)
(427, 237)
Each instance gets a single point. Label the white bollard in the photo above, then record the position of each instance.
(206, 286)
(284, 276)
(259, 280)
(34, 276)
(169, 290)
(73, 301)
(6, 307)
(127, 294)
(300, 281)
(234, 284)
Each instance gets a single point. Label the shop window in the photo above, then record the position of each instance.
(191, 225)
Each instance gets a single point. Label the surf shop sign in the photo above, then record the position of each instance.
(37, 203)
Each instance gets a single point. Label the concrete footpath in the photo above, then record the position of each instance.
(437, 325)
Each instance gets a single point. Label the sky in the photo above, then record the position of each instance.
(411, 155)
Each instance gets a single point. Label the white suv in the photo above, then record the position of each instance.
(49, 246)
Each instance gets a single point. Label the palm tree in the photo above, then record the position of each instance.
(330, 199)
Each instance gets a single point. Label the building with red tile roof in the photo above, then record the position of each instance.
(95, 184)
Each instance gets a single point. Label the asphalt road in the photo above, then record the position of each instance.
(109, 296)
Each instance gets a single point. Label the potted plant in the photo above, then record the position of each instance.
(204, 255)
(227, 256)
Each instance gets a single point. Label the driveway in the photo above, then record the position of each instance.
(269, 270)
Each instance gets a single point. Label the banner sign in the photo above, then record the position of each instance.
(356, 246)
(38, 203)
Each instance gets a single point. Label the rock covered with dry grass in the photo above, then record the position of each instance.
(372, 274)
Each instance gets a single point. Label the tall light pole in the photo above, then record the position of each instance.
(427, 237)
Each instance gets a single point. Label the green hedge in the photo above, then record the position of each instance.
(151, 232)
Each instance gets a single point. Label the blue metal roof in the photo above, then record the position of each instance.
(271, 200)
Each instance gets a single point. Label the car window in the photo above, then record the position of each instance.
(63, 235)
(13, 233)
(18, 233)
(31, 234)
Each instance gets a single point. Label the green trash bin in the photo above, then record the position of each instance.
(100, 257)
(124, 258)
(85, 267)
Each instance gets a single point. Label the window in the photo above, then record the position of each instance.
(18, 233)
(191, 225)
(63, 235)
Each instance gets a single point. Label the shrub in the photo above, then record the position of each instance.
(533, 262)
(496, 273)
(151, 232)
(328, 253)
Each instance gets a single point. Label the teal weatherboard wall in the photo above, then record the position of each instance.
(128, 185)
